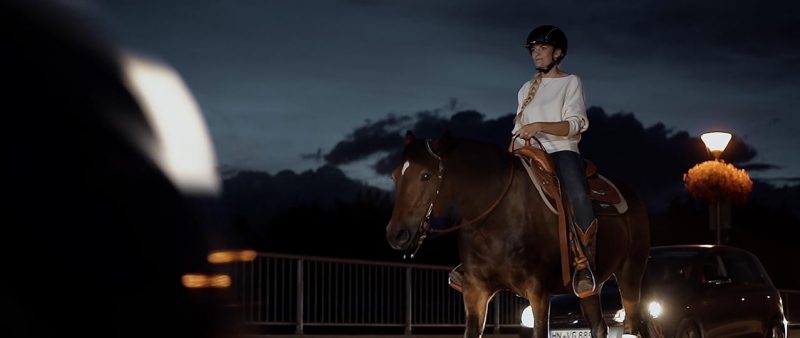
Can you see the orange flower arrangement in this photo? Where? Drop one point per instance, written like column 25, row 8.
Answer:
column 717, row 180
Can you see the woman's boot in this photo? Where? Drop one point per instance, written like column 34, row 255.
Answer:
column 584, row 283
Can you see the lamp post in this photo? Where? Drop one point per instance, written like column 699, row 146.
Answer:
column 716, row 142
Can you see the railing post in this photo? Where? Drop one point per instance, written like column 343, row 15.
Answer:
column 408, row 301
column 785, row 301
column 496, row 314
column 299, row 328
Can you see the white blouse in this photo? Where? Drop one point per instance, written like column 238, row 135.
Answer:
column 557, row 99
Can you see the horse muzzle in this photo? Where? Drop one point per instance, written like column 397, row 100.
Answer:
column 399, row 238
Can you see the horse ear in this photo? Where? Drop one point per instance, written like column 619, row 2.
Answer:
column 446, row 136
column 443, row 144
column 409, row 137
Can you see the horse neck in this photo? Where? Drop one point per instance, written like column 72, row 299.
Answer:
column 479, row 175
column 521, row 207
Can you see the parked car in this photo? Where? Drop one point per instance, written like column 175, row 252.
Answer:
column 689, row 291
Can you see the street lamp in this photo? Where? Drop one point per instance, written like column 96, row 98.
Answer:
column 718, row 182
column 715, row 143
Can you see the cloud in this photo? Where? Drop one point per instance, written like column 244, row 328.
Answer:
column 374, row 136
column 759, row 166
column 382, row 135
column 259, row 196
column 261, row 83
column 790, row 180
column 651, row 159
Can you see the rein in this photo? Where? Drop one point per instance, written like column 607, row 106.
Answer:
column 425, row 225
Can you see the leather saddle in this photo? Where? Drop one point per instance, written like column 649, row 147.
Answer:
column 601, row 191
column 606, row 198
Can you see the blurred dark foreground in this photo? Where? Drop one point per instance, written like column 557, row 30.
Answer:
column 101, row 218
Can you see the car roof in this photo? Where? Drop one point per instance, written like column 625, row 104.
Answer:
column 692, row 249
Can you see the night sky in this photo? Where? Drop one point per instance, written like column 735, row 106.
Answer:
column 277, row 79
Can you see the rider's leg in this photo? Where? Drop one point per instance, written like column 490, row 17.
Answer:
column 571, row 173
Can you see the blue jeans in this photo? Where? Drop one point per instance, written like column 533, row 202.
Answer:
column 571, row 172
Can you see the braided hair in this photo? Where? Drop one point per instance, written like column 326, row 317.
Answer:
column 535, row 82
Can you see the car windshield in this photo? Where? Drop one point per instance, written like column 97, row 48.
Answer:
column 669, row 269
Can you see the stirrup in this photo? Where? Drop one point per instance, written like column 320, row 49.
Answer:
column 455, row 278
column 575, row 282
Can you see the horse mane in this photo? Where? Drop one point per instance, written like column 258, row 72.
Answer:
column 446, row 145
column 471, row 160
column 474, row 157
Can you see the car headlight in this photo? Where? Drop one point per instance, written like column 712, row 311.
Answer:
column 527, row 317
column 619, row 317
column 655, row 309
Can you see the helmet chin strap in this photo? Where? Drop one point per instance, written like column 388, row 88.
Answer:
column 549, row 67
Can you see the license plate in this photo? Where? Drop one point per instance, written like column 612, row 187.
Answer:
column 577, row 333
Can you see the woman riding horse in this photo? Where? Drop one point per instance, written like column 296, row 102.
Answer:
column 509, row 238
column 551, row 107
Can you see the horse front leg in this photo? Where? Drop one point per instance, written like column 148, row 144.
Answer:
column 476, row 300
column 540, row 304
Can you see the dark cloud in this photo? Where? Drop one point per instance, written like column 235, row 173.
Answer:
column 259, row 196
column 381, row 136
column 790, row 180
column 695, row 65
column 652, row 159
column 759, row 166
column 373, row 137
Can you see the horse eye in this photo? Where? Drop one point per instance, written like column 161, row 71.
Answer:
column 426, row 176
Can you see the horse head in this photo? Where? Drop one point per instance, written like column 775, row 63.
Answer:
column 419, row 189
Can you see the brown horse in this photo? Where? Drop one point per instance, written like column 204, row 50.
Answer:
column 510, row 240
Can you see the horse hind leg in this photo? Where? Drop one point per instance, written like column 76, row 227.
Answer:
column 593, row 312
column 476, row 300
column 630, row 282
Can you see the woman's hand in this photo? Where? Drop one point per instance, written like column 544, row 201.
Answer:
column 529, row 130
column 553, row 128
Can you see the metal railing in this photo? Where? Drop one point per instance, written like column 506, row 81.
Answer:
column 791, row 307
column 279, row 290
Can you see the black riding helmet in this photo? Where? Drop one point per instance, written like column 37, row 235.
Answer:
column 550, row 35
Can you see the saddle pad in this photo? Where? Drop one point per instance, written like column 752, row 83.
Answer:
column 605, row 194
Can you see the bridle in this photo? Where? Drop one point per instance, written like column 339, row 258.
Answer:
column 425, row 225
